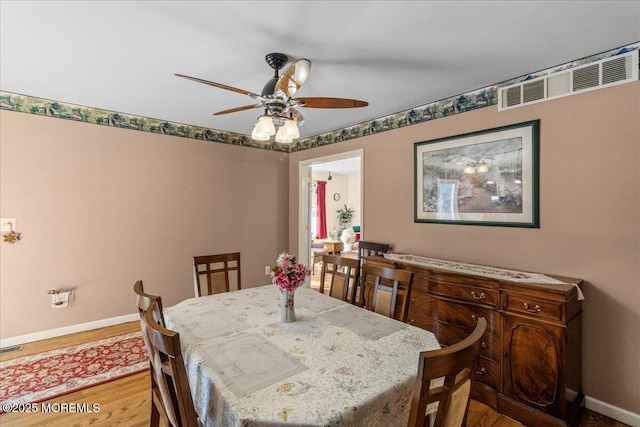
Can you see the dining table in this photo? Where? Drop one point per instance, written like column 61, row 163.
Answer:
column 336, row 364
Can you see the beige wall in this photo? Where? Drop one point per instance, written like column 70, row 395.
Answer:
column 101, row 207
column 589, row 210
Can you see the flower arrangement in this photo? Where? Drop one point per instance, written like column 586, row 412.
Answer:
column 287, row 274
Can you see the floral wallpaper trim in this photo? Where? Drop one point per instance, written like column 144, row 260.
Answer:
column 468, row 101
column 63, row 110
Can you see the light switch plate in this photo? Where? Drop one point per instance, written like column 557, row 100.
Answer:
column 7, row 224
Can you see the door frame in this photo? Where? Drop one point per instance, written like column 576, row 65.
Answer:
column 304, row 196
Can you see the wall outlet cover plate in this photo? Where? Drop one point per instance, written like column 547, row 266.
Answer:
column 7, row 224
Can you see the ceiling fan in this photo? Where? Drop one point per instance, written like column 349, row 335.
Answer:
column 280, row 107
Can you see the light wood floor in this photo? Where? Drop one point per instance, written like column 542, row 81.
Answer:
column 125, row 402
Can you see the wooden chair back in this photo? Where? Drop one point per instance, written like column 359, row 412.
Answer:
column 170, row 371
column 144, row 301
column 341, row 274
column 317, row 251
column 365, row 249
column 386, row 285
column 216, row 269
column 457, row 365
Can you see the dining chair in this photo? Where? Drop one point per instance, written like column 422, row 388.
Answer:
column 317, row 252
column 216, row 269
column 144, row 301
column 365, row 249
column 170, row 371
column 457, row 364
column 341, row 273
column 387, row 285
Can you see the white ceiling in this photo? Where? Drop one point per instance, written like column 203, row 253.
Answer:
column 396, row 55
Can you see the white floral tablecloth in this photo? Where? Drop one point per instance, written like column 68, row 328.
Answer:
column 250, row 370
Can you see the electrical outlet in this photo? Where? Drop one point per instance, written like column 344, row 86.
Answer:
column 7, row 224
column 61, row 298
column 267, row 270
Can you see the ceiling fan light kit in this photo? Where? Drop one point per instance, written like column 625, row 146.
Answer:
column 263, row 129
column 277, row 100
column 288, row 132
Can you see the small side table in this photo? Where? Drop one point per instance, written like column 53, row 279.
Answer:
column 334, row 247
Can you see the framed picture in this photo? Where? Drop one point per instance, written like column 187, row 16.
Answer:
column 488, row 177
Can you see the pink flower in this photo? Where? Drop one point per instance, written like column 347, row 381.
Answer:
column 287, row 274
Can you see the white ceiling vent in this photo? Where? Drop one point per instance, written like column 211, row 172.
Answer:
column 595, row 75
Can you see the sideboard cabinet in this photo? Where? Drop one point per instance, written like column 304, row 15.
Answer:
column 530, row 364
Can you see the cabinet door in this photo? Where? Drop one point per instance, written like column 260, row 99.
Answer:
column 533, row 364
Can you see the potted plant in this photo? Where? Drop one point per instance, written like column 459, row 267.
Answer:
column 345, row 215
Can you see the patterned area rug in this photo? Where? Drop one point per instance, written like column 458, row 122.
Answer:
column 54, row 373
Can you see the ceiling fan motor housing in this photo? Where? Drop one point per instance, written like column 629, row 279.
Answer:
column 275, row 107
column 269, row 87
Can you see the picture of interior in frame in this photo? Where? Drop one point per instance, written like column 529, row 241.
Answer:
column 488, row 177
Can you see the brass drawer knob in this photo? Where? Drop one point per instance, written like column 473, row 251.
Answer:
column 476, row 296
column 481, row 371
column 474, row 317
column 535, row 309
column 483, row 345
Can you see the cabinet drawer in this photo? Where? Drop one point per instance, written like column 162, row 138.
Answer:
column 448, row 334
column 421, row 302
column 490, row 347
column 485, row 394
column 473, row 294
column 466, row 315
column 488, row 372
column 532, row 306
column 460, row 314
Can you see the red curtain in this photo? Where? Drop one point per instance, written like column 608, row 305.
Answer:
column 321, row 211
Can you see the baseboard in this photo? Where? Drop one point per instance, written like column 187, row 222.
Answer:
column 608, row 410
column 52, row 333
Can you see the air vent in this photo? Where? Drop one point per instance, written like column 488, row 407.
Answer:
column 595, row 75
column 533, row 91
column 513, row 96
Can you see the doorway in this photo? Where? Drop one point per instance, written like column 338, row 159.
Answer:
column 343, row 184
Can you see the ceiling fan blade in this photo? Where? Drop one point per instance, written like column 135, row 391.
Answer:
column 233, row 110
column 220, row 85
column 320, row 102
column 294, row 77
